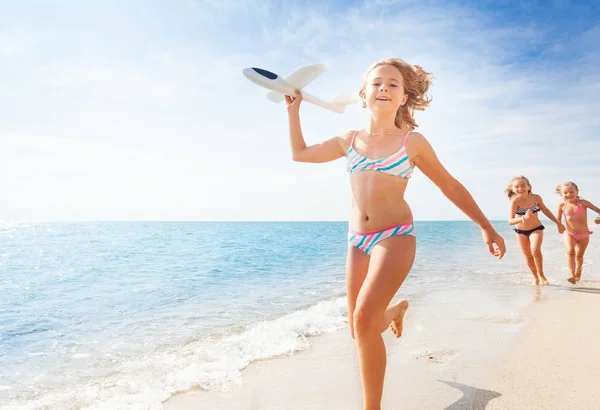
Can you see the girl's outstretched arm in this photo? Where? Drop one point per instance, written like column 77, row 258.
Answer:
column 425, row 158
column 590, row 205
column 326, row 151
column 559, row 212
column 513, row 218
column 549, row 214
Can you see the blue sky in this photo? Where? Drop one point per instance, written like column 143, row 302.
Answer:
column 138, row 110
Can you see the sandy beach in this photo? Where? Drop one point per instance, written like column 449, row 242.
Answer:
column 550, row 364
column 542, row 356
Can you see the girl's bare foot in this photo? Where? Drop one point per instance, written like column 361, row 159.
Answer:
column 543, row 280
column 536, row 282
column 396, row 324
column 572, row 279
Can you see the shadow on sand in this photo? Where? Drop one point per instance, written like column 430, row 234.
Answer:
column 585, row 290
column 578, row 288
column 472, row 398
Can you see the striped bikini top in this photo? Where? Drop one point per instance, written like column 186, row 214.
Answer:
column 534, row 208
column 396, row 164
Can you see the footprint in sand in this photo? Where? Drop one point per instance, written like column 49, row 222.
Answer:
column 437, row 356
column 498, row 319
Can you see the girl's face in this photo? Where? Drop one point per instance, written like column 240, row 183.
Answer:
column 521, row 187
column 569, row 193
column 384, row 91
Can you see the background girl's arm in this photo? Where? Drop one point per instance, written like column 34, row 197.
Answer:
column 326, row 151
column 547, row 212
column 513, row 218
column 588, row 204
column 559, row 212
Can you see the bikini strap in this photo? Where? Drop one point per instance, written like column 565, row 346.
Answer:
column 353, row 138
column 405, row 138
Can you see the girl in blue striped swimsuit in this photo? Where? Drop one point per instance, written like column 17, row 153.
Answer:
column 380, row 160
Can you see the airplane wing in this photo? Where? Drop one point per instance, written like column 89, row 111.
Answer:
column 299, row 79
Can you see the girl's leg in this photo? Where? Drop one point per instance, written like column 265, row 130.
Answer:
column 535, row 240
column 580, row 248
column 570, row 247
column 357, row 265
column 390, row 263
column 526, row 249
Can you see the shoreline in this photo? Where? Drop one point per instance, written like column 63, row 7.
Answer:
column 444, row 341
column 478, row 362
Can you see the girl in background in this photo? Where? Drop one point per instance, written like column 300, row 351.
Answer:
column 577, row 235
column 523, row 212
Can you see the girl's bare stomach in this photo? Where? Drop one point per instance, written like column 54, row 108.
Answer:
column 378, row 203
column 577, row 228
column 531, row 223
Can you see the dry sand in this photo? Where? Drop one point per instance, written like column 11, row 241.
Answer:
column 555, row 362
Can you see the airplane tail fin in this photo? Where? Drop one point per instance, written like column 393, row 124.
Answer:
column 343, row 99
column 275, row 96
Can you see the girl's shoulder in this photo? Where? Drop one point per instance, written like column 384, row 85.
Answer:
column 345, row 138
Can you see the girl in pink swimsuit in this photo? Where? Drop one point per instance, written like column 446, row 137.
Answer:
column 381, row 236
column 577, row 235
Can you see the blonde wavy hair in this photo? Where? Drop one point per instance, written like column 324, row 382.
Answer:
column 416, row 85
column 509, row 191
column 571, row 184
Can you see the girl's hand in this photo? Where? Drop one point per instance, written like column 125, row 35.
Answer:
column 561, row 228
column 528, row 214
column 293, row 103
column 597, row 220
column 491, row 238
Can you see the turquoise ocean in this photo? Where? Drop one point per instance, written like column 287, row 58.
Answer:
column 108, row 315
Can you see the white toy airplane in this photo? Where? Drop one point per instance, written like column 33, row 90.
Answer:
column 297, row 80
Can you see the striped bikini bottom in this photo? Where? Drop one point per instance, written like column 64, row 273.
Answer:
column 366, row 241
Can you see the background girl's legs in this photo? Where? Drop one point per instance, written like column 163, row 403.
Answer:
column 570, row 247
column 526, row 249
column 580, row 248
column 390, row 263
column 535, row 240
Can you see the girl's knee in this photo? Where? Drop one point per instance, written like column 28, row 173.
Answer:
column 571, row 253
column 364, row 322
column 536, row 252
